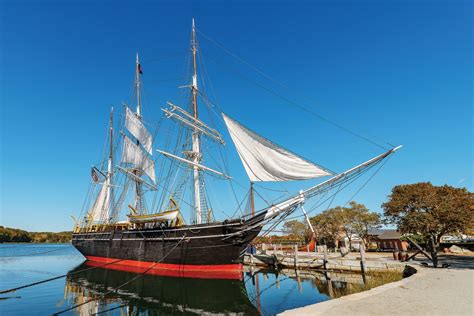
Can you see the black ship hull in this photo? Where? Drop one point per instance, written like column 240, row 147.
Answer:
column 208, row 250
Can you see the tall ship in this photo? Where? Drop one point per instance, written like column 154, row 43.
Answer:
column 149, row 204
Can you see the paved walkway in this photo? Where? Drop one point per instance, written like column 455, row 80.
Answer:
column 429, row 292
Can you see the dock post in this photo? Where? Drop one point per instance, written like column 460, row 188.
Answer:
column 296, row 256
column 362, row 257
column 298, row 279
column 325, row 260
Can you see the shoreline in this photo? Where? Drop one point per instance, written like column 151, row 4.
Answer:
column 428, row 292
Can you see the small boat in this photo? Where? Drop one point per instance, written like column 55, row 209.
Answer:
column 170, row 217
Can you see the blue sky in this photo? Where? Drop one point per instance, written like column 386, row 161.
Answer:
column 398, row 72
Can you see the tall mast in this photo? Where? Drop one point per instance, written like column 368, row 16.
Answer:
column 138, row 71
column 252, row 202
column 195, row 137
column 138, row 187
column 110, row 164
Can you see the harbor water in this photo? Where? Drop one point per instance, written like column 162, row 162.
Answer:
column 106, row 291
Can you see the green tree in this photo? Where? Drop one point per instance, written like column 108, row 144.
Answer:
column 328, row 225
column 17, row 235
column 430, row 211
column 295, row 228
column 13, row 235
column 358, row 220
column 353, row 220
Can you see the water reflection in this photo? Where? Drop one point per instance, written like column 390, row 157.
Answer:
column 155, row 294
column 258, row 292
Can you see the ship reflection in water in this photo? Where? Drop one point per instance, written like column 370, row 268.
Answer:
column 256, row 293
column 155, row 294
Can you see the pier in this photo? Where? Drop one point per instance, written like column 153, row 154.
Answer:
column 282, row 257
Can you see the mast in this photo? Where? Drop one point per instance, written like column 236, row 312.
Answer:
column 252, row 203
column 189, row 118
column 138, row 186
column 110, row 189
column 196, row 152
column 138, row 71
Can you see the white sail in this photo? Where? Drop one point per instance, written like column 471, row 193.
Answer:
column 137, row 129
column 265, row 161
column 100, row 209
column 133, row 154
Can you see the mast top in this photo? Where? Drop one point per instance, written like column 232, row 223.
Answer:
column 193, row 36
column 138, row 71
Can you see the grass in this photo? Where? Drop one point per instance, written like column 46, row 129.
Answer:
column 373, row 279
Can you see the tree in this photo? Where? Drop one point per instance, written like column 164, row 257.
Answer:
column 328, row 225
column 18, row 235
column 295, row 228
column 430, row 211
column 358, row 220
column 353, row 220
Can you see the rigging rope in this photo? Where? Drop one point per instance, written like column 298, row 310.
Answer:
column 125, row 283
column 111, row 309
column 288, row 100
column 55, row 278
column 35, row 253
column 241, row 60
column 346, row 183
column 367, row 181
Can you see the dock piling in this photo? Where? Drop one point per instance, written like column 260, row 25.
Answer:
column 296, row 256
column 362, row 257
column 325, row 253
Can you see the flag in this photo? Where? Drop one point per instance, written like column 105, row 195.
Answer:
column 94, row 175
column 140, row 69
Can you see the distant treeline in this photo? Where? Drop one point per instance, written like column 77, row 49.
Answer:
column 18, row 235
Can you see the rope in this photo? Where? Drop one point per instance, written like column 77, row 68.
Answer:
column 274, row 190
column 110, row 309
column 123, row 284
column 241, row 60
column 55, row 278
column 35, row 253
column 301, row 107
column 347, row 181
column 16, row 245
column 367, row 181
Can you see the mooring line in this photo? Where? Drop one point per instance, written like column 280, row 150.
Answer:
column 55, row 278
column 110, row 309
column 40, row 253
column 35, row 253
column 123, row 284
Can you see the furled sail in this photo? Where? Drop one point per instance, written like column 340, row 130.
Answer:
column 138, row 130
column 100, row 209
column 133, row 154
column 265, row 161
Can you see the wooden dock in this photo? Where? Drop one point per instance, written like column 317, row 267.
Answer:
column 276, row 257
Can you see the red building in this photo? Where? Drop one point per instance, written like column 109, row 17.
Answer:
column 387, row 239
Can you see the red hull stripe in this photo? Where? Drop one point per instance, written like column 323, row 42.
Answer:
column 223, row 271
